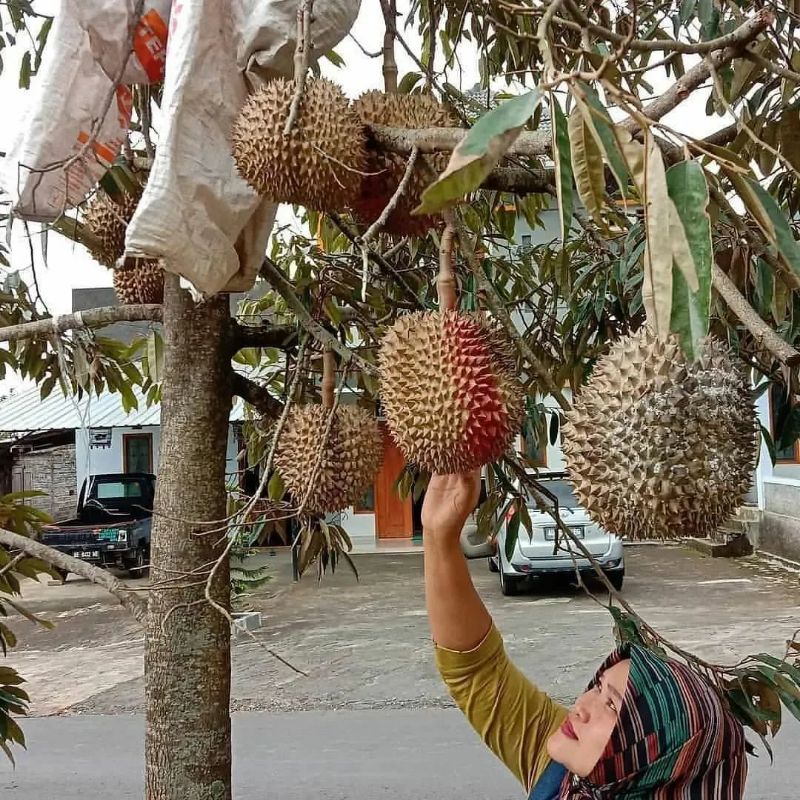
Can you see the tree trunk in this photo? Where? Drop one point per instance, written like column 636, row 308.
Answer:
column 187, row 645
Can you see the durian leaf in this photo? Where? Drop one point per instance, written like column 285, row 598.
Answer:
column 478, row 153
column 604, row 132
column 691, row 300
column 275, row 487
column 155, row 357
column 767, row 437
column 512, row 533
column 562, row 160
column 657, row 284
column 587, row 164
column 788, row 248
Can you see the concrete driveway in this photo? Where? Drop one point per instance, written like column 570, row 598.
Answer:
column 365, row 644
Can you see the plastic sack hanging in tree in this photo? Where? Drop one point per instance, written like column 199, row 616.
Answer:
column 197, row 213
column 60, row 150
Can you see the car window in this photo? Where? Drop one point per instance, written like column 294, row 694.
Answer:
column 563, row 491
column 117, row 490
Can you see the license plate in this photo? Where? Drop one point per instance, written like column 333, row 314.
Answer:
column 88, row 554
column 576, row 530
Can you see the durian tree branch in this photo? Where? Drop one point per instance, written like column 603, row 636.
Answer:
column 762, row 332
column 263, row 335
column 495, row 304
column 302, row 55
column 280, row 283
column 258, row 396
column 94, row 318
column 737, row 40
column 376, row 258
column 437, row 140
column 389, row 10
column 127, row 597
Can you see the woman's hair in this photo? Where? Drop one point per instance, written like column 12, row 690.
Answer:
column 675, row 739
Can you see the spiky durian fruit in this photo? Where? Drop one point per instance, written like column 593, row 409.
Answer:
column 385, row 170
column 107, row 219
column 140, row 282
column 658, row 447
column 319, row 163
column 350, row 456
column 451, row 402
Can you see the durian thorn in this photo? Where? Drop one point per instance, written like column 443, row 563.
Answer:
column 328, row 378
column 445, row 281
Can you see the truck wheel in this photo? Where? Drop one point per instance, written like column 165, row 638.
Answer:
column 139, row 568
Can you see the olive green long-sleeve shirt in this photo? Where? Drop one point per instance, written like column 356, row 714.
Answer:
column 512, row 716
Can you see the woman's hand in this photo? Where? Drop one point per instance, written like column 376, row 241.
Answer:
column 449, row 500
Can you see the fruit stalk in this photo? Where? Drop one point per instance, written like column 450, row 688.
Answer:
column 446, row 282
column 328, row 378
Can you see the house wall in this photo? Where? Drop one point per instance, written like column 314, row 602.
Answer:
column 97, row 460
column 50, row 470
column 778, row 499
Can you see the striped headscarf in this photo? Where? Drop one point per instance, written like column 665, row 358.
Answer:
column 674, row 740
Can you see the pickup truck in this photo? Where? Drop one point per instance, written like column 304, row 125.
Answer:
column 112, row 528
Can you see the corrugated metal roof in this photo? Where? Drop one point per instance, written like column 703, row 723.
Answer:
column 27, row 412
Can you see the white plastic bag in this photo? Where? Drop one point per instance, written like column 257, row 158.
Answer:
column 109, row 24
column 77, row 121
column 196, row 213
column 60, row 151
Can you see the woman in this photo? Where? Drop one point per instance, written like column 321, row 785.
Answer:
column 645, row 728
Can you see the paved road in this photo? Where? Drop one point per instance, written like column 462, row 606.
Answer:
column 422, row 754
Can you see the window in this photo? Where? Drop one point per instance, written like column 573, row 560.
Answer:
column 138, row 452
column 116, row 490
column 526, row 240
column 366, row 504
column 784, row 413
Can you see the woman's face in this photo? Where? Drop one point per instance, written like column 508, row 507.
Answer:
column 580, row 742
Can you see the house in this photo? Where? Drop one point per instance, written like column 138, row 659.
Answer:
column 53, row 444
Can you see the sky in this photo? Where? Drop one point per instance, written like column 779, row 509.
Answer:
column 69, row 266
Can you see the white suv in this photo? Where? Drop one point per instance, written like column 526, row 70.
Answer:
column 534, row 556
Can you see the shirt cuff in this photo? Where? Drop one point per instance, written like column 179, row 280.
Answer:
column 457, row 660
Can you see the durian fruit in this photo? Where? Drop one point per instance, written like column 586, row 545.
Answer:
column 107, row 220
column 350, row 457
column 451, row 401
column 658, row 447
column 385, row 170
column 319, row 164
column 140, row 282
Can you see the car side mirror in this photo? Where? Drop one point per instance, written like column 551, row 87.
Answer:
column 474, row 544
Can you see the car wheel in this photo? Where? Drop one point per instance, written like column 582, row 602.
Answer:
column 616, row 579
column 492, row 565
column 509, row 585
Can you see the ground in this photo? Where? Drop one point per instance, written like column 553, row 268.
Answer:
column 365, row 649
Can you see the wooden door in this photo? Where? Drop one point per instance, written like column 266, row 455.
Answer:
column 393, row 518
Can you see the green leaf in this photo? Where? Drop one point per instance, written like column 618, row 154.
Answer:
column 587, row 164
column 687, row 10
column 334, row 58
column 512, row 534
column 604, row 131
column 479, row 152
column 691, row 299
column 25, row 71
column 155, row 357
column 563, row 167
column 275, row 487
column 657, row 284
column 788, row 248
column 408, row 82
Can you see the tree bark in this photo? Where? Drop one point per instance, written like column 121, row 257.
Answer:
column 187, row 642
